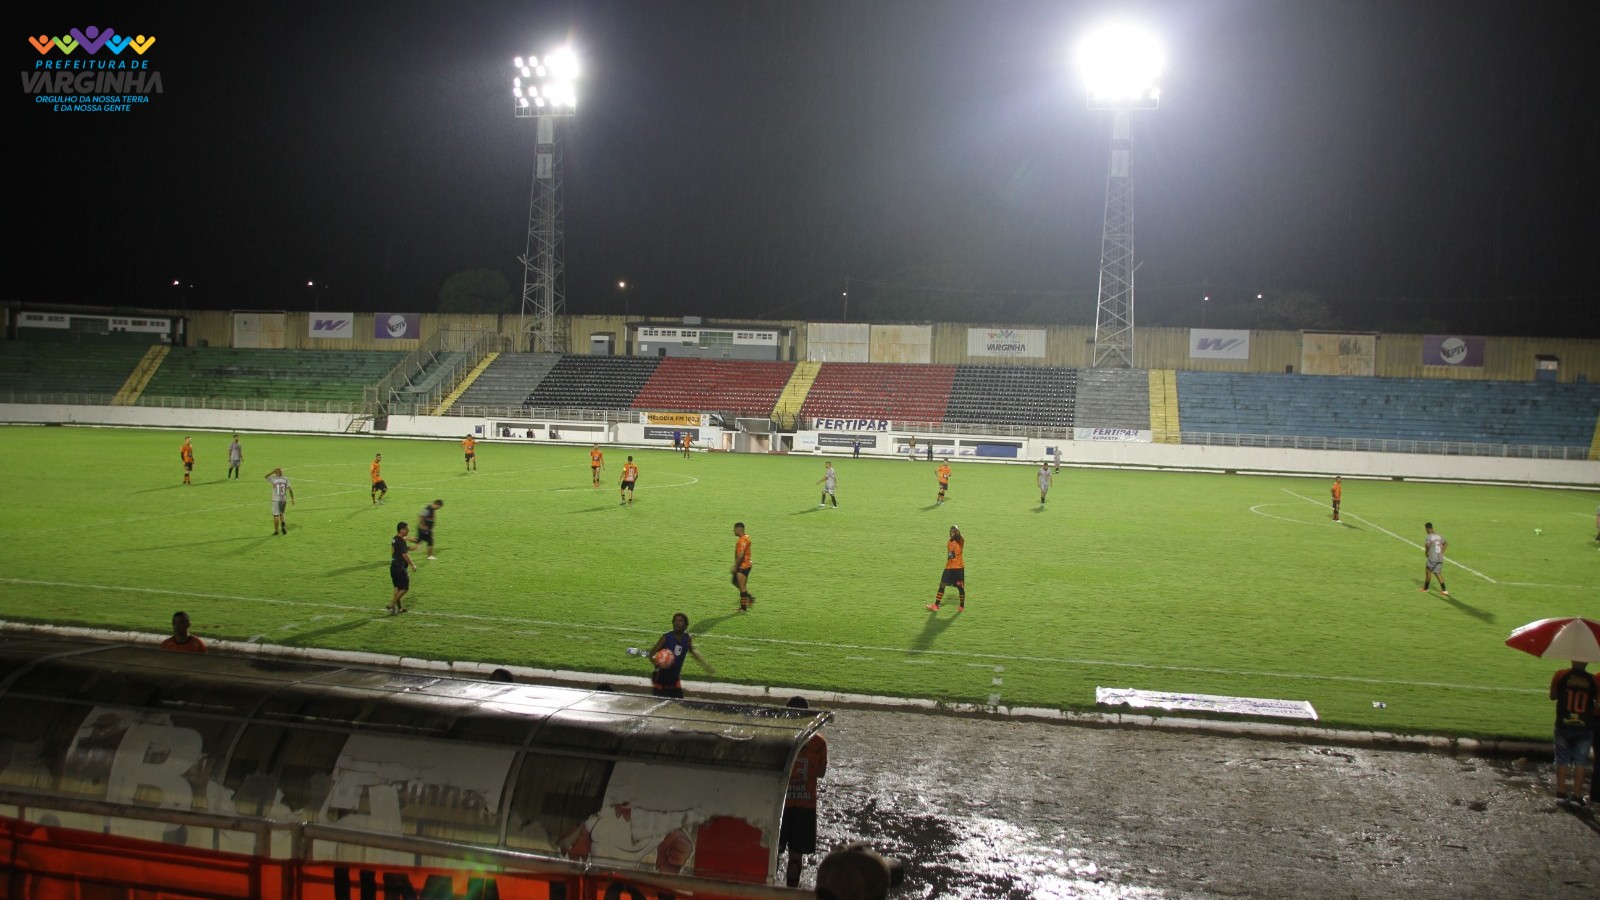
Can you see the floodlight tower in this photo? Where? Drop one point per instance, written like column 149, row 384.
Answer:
column 1121, row 67
column 543, row 90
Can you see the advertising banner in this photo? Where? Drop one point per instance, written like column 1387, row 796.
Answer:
column 665, row 434
column 1452, row 350
column 868, row 441
column 1218, row 343
column 672, row 418
column 1110, row 434
column 331, row 325
column 851, row 424
column 396, row 326
column 1009, row 342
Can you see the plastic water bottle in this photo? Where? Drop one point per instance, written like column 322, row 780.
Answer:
column 633, row 651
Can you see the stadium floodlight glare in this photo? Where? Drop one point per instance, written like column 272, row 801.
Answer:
column 547, row 86
column 1121, row 67
column 544, row 89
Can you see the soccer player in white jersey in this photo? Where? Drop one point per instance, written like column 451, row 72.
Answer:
column 829, row 481
column 280, row 491
column 1045, row 480
column 1433, row 548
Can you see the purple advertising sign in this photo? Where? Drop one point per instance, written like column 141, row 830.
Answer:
column 1452, row 350
column 395, row 326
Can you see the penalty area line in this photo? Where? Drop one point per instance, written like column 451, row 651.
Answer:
column 1397, row 537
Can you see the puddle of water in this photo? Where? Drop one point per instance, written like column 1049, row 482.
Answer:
column 976, row 857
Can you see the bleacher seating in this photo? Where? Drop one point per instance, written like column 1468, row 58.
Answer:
column 249, row 373
column 1418, row 409
column 1037, row 396
column 592, row 382
column 508, row 381
column 903, row 392
column 745, row 387
column 1114, row 398
column 59, row 367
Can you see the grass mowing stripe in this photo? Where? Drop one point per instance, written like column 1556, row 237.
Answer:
column 777, row 642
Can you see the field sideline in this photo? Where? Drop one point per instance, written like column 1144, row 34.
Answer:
column 1236, row 585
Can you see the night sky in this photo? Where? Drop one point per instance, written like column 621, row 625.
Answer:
column 1410, row 163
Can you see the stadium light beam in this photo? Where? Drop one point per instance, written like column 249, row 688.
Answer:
column 1121, row 67
column 544, row 89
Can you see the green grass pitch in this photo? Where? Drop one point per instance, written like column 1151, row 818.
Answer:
column 1235, row 585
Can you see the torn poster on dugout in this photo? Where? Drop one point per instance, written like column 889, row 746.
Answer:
column 1238, row 706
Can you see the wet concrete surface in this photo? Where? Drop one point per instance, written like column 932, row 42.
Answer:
column 983, row 808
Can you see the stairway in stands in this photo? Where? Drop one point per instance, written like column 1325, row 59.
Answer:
column 787, row 410
column 129, row 393
column 465, row 382
column 1165, row 427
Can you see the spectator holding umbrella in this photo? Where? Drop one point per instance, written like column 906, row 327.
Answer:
column 1574, row 691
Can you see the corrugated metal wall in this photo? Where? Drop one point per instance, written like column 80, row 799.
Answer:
column 1397, row 355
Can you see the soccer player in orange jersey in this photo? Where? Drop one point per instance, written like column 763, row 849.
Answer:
column 186, row 453
column 379, row 487
column 182, row 641
column 630, row 474
column 470, row 445
column 798, row 833
column 741, row 567
column 597, row 461
column 955, row 571
column 1337, row 491
column 944, row 482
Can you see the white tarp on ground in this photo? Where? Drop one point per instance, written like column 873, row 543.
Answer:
column 1211, row 703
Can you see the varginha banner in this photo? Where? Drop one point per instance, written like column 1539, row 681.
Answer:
column 1218, row 343
column 1452, row 350
column 395, row 326
column 1008, row 342
column 331, row 325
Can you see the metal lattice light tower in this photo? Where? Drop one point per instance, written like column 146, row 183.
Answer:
column 1121, row 67
column 544, row 91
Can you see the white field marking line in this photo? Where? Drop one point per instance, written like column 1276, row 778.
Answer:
column 1395, row 536
column 569, row 628
column 1257, row 510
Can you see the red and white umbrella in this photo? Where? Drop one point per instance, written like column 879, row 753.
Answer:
column 1573, row 638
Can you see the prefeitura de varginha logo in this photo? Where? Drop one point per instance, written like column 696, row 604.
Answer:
column 91, row 70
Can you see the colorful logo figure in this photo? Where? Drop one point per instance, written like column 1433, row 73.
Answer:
column 91, row 40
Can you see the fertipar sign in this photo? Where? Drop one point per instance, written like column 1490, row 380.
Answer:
column 92, row 69
column 1007, row 342
column 851, row 424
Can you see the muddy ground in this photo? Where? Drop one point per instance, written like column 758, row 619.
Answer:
column 985, row 808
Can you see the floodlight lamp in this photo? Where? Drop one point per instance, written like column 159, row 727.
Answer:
column 516, row 92
column 563, row 64
column 516, row 63
column 523, row 102
column 533, row 61
column 527, row 72
column 1121, row 65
